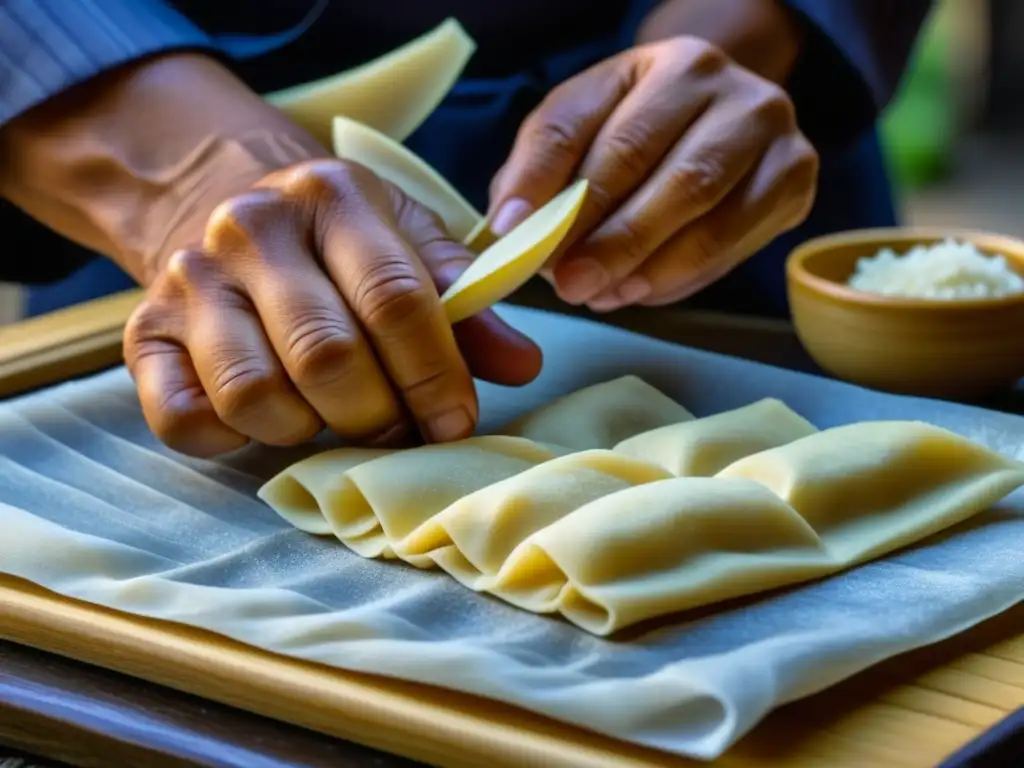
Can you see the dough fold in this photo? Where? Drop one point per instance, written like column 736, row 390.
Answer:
column 472, row 538
column 703, row 447
column 873, row 487
column 613, row 505
column 600, row 416
column 370, row 498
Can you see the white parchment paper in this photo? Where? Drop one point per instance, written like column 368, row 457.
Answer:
column 93, row 507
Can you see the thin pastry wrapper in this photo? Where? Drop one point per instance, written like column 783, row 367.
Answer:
column 472, row 538
column 873, row 487
column 600, row 416
column 798, row 512
column 374, row 498
column 648, row 521
column 704, row 447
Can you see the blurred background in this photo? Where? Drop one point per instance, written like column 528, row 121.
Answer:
column 954, row 136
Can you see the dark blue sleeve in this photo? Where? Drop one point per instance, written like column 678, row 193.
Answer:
column 854, row 57
column 47, row 46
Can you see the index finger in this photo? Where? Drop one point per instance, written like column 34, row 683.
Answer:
column 553, row 141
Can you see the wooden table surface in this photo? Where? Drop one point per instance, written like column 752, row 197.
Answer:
column 910, row 711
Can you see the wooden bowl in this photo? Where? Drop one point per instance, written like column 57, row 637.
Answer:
column 962, row 349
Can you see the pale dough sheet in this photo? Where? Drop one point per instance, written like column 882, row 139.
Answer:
column 92, row 507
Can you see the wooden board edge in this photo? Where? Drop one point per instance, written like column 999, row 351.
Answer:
column 64, row 344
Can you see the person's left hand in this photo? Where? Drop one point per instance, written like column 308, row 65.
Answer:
column 694, row 162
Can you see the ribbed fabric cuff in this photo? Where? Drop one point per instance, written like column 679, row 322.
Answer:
column 47, row 46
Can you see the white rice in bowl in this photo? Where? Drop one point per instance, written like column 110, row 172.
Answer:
column 946, row 270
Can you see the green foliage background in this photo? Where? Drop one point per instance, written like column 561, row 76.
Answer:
column 918, row 129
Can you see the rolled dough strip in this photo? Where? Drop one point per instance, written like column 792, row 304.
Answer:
column 394, row 93
column 393, row 162
column 515, row 258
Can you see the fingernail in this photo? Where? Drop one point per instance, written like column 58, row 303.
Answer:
column 453, row 425
column 634, row 289
column 580, row 279
column 511, row 214
column 606, row 303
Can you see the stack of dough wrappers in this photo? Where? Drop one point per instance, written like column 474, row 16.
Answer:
column 614, row 504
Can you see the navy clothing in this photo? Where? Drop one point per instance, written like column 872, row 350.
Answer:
column 849, row 69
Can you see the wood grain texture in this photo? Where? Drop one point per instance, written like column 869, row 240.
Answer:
column 911, row 711
column 62, row 345
column 89, row 716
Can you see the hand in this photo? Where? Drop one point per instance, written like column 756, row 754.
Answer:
column 694, row 165
column 313, row 301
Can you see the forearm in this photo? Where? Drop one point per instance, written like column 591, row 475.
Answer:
column 762, row 35
column 132, row 162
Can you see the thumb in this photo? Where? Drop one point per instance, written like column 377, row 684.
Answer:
column 552, row 143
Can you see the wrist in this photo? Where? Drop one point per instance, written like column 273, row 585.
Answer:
column 764, row 36
column 132, row 163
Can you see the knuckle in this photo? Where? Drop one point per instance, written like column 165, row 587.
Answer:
column 697, row 183
column 177, row 417
column 696, row 56
column 145, row 322
column 321, row 179
column 628, row 148
column 240, row 387
column 391, row 296
column 239, row 223
column 320, row 349
column 435, row 383
column 552, row 138
column 630, row 246
column 704, row 250
column 148, row 323
column 186, row 268
column 773, row 107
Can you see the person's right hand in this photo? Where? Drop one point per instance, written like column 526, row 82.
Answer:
column 313, row 301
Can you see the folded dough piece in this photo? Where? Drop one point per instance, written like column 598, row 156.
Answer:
column 873, row 487
column 403, row 168
column 301, row 492
column 804, row 510
column 394, row 93
column 660, row 548
column 600, row 416
column 704, row 447
column 370, row 501
column 515, row 258
column 471, row 538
